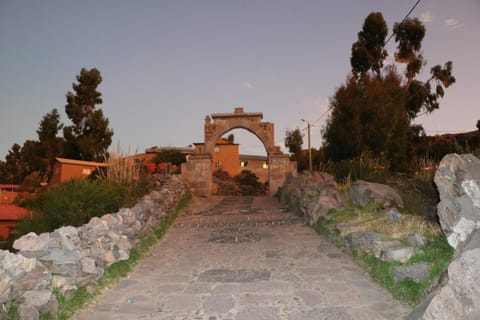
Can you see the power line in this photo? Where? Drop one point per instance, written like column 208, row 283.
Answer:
column 406, row 17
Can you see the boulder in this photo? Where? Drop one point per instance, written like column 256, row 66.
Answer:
column 458, row 183
column 363, row 192
column 311, row 194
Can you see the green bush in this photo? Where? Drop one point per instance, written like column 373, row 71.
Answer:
column 75, row 203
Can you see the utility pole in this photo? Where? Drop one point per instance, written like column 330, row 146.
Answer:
column 309, row 146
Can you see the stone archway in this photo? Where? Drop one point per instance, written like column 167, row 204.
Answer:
column 197, row 171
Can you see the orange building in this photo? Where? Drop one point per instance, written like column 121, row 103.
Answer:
column 224, row 156
column 9, row 214
column 67, row 169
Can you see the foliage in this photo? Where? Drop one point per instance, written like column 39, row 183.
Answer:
column 170, row 156
column 373, row 111
column 74, row 203
column 436, row 251
column 245, row 183
column 294, row 141
column 89, row 137
column 368, row 51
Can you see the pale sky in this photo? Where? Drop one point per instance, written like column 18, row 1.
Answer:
column 167, row 64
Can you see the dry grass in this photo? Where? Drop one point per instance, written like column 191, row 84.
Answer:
column 122, row 168
column 378, row 222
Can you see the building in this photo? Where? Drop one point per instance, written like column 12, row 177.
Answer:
column 8, row 193
column 225, row 156
column 256, row 164
column 9, row 215
column 68, row 169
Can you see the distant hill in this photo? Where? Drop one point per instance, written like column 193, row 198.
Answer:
column 465, row 142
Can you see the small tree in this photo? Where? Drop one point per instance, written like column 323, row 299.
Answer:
column 171, row 156
column 294, row 142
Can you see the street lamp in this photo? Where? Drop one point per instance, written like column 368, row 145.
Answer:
column 309, row 148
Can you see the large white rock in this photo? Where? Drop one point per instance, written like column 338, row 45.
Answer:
column 458, row 181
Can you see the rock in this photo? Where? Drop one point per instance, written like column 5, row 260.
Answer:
column 394, row 215
column 400, row 254
column 459, row 296
column 69, row 238
column 29, row 242
column 311, row 194
column 363, row 192
column 16, row 264
column 370, row 242
column 43, row 300
column 458, row 183
column 38, row 278
column 88, row 265
column 27, row 312
column 416, row 240
column 418, row 272
column 62, row 262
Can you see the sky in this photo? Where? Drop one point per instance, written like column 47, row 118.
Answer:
column 167, row 64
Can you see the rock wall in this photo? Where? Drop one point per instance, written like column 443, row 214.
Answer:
column 72, row 257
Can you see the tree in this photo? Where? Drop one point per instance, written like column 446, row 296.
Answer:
column 294, row 142
column 368, row 51
column 171, row 156
column 372, row 112
column 89, row 137
column 13, row 168
column 51, row 145
column 478, row 125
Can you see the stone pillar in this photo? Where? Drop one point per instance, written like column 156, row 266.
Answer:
column 279, row 167
column 197, row 173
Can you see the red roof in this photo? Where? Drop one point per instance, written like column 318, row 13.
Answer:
column 11, row 212
column 9, row 186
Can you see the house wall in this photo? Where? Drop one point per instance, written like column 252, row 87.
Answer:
column 5, row 226
column 225, row 157
column 7, row 197
column 256, row 166
column 64, row 172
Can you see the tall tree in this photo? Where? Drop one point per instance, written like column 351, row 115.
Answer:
column 89, row 137
column 368, row 51
column 373, row 111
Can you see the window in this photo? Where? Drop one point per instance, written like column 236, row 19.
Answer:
column 86, row 171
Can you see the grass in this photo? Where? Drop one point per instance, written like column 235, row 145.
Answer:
column 436, row 251
column 82, row 296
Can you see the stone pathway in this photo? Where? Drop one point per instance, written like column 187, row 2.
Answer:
column 244, row 258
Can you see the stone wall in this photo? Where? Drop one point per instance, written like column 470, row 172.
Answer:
column 72, row 257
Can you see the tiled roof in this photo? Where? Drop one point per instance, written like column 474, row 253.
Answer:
column 11, row 212
column 82, row 163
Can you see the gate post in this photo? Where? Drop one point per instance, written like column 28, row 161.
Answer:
column 197, row 172
column 279, row 167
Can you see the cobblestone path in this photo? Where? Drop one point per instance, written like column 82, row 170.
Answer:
column 244, row 258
